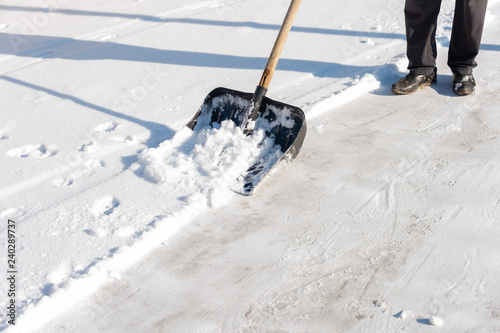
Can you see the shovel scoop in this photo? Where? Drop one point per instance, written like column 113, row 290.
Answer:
column 284, row 124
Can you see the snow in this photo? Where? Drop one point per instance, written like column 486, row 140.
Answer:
column 201, row 166
column 125, row 221
column 436, row 321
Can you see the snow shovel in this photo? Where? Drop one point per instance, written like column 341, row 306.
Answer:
column 284, row 124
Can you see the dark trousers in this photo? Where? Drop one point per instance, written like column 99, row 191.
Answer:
column 421, row 23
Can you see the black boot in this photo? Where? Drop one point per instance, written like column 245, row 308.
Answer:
column 464, row 85
column 411, row 83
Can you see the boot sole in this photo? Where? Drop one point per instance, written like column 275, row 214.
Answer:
column 398, row 92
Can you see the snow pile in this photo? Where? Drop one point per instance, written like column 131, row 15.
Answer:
column 200, row 166
column 358, row 87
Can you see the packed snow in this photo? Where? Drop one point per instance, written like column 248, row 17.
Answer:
column 116, row 217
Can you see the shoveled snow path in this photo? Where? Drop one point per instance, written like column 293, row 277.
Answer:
column 410, row 232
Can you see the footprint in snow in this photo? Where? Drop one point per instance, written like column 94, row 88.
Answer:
column 35, row 151
column 106, row 127
column 104, row 206
column 62, row 182
column 88, row 147
column 96, row 232
column 89, row 168
column 97, row 132
column 129, row 140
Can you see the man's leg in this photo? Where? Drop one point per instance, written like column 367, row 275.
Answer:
column 466, row 35
column 421, row 23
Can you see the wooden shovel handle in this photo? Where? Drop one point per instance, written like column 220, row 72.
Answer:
column 278, row 45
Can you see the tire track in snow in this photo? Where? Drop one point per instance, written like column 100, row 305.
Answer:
column 416, row 262
column 383, row 320
column 386, row 197
column 257, row 276
column 265, row 274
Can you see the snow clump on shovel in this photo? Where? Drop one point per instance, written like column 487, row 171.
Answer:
column 205, row 161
